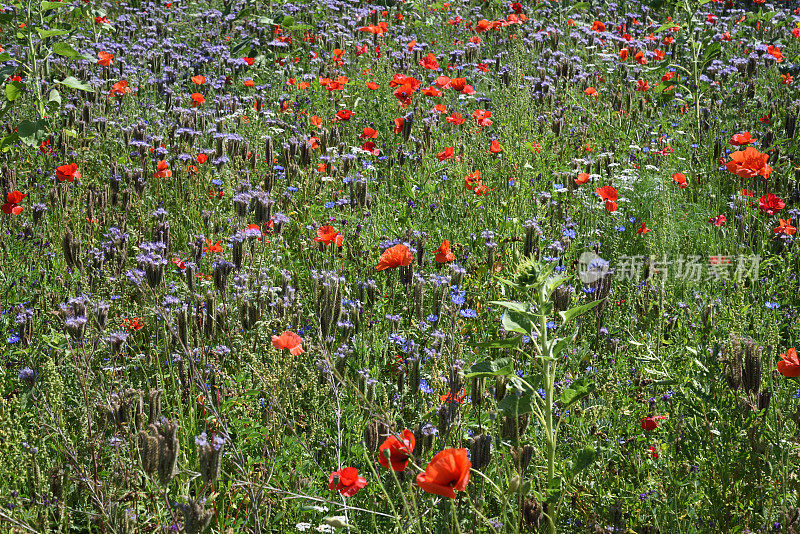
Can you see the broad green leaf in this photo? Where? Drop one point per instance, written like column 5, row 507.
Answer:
column 54, row 96
column 501, row 366
column 578, row 390
column 288, row 21
column 63, row 49
column 53, row 5
column 13, row 91
column 508, row 343
column 44, row 34
column 521, row 307
column 241, row 46
column 576, row 312
column 32, row 133
column 583, row 459
column 5, row 56
column 517, row 322
column 74, row 83
column 513, row 405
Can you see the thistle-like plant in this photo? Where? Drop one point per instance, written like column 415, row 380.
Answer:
column 537, row 282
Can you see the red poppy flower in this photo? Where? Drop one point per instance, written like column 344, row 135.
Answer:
column 429, row 62
column 458, row 84
column 431, row 91
column 749, row 163
column 443, row 254
column 249, row 60
column 68, row 173
column 591, row 91
column 134, row 324
column 202, row 158
column 442, row 82
column 397, row 256
column 718, row 221
column 582, row 178
column 216, row 247
column 769, row 203
column 199, row 79
column 179, row 263
column 251, row 83
column 372, row 86
column 447, row 153
column 742, row 139
column 105, row 59
column 163, row 171
column 344, row 115
column 495, row 148
column 785, row 227
column 623, row 54
column 680, row 179
column 482, row 116
column 642, row 85
column 598, row 26
column 609, row 195
column 451, row 397
column 328, row 234
column 369, row 133
column 398, row 124
column 399, row 451
column 651, row 422
column 120, row 88
column 456, row 118
column 346, row 481
column 289, row 340
column 789, row 366
column 12, row 207
column 197, row 100
column 101, row 20
column 446, row 473
column 643, row 230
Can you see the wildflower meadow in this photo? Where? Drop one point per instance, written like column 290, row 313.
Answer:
column 461, row 267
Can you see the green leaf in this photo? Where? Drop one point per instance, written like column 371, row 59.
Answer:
column 578, row 390
column 513, row 405
column 54, row 96
column 508, row 343
column 74, row 83
column 8, row 141
column 501, row 366
column 576, row 312
column 288, row 21
column 517, row 322
column 44, row 34
column 554, row 489
column 5, row 56
column 13, row 91
column 583, row 459
column 53, row 5
column 63, row 49
column 521, row 307
column 32, row 133
column 241, row 46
